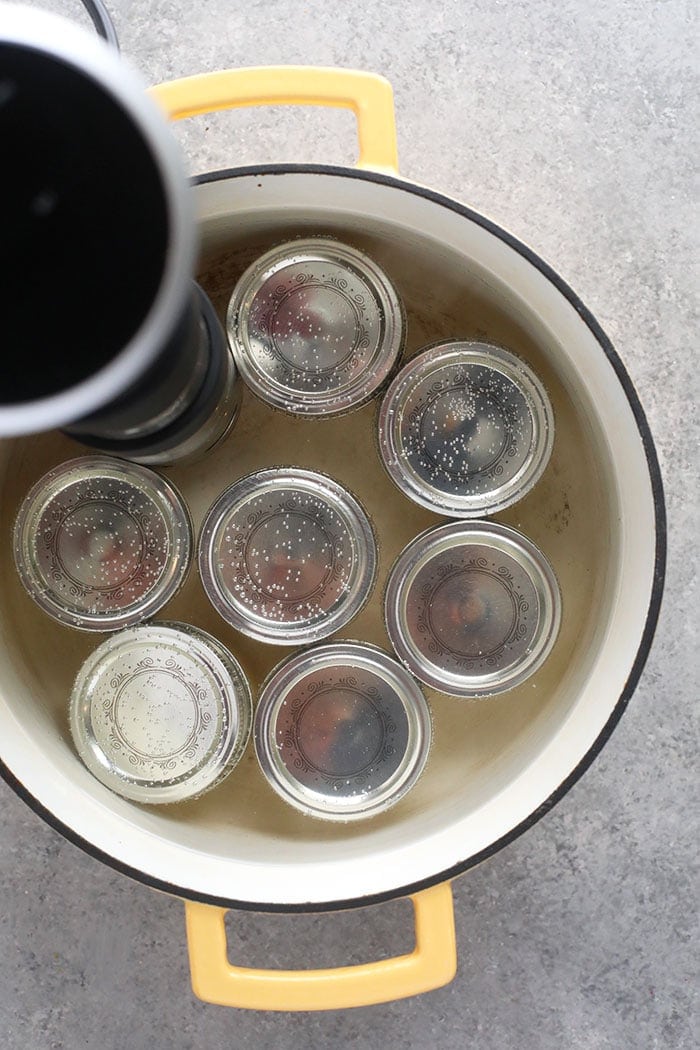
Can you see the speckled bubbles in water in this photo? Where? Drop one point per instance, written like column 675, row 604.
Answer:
column 101, row 544
column 315, row 327
column 287, row 556
column 465, row 429
column 342, row 731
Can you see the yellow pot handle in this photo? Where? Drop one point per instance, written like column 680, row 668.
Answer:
column 431, row 964
column 368, row 95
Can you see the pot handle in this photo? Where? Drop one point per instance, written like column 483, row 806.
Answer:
column 430, row 965
column 367, row 94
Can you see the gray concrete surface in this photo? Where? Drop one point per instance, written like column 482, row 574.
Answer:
column 574, row 125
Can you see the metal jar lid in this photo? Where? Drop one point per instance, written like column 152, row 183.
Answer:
column 160, row 712
column 315, row 326
column 287, row 556
column 466, row 429
column 472, row 608
column 101, row 544
column 342, row 731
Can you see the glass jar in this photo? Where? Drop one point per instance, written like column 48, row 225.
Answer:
column 101, row 544
column 465, row 429
column 287, row 556
column 315, row 326
column 160, row 712
column 342, row 731
column 472, row 608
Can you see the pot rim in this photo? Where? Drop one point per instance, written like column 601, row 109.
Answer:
column 645, row 641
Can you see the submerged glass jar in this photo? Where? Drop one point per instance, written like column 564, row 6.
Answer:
column 287, row 556
column 160, row 712
column 465, row 429
column 315, row 326
column 342, row 731
column 100, row 543
column 472, row 608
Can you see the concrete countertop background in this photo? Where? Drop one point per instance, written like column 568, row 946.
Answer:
column 574, row 125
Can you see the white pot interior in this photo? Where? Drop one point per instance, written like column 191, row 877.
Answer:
column 493, row 762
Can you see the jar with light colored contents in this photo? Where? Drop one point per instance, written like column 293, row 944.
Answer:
column 287, row 556
column 342, row 731
column 316, row 327
column 466, row 429
column 101, row 544
column 472, row 608
column 160, row 713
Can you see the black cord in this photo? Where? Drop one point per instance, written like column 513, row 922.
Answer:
column 102, row 21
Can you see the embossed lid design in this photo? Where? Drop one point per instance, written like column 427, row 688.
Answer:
column 101, row 544
column 465, row 429
column 472, row 608
column 315, row 327
column 160, row 712
column 342, row 731
column 287, row 556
